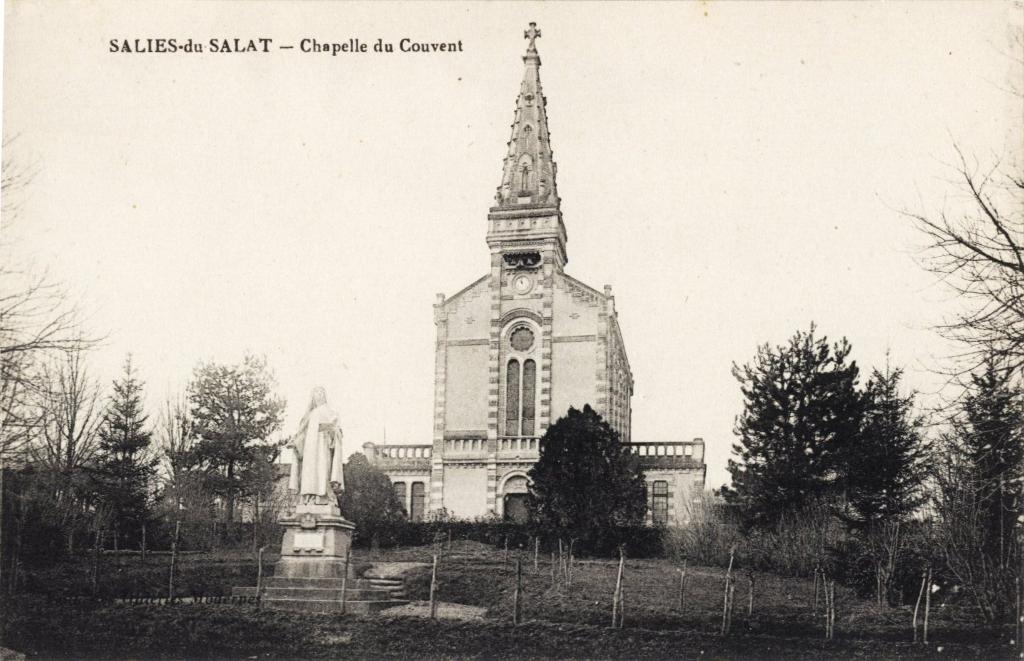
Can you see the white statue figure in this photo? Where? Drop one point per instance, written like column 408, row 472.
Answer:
column 316, row 472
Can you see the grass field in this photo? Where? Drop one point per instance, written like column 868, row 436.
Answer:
column 558, row 621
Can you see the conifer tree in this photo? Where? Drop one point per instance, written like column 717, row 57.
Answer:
column 369, row 499
column 980, row 479
column 585, row 480
column 885, row 473
column 801, row 419
column 125, row 468
column 991, row 439
column 234, row 410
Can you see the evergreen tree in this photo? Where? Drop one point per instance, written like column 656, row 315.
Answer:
column 801, row 419
column 885, row 473
column 585, row 480
column 234, row 410
column 369, row 499
column 991, row 439
column 980, row 477
column 125, row 467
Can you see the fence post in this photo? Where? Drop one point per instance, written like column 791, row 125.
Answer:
column 617, row 595
column 174, row 558
column 814, row 608
column 143, row 550
column 96, row 561
column 344, row 580
column 927, row 606
column 917, row 605
column 259, row 575
column 536, row 552
column 569, row 561
column 682, row 584
column 728, row 583
column 1020, row 615
column 750, row 601
column 506, row 550
column 830, row 588
column 517, row 598
column 433, row 590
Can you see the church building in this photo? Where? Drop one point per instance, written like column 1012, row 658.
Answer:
column 516, row 348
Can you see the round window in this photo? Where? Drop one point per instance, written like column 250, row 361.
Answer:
column 521, row 339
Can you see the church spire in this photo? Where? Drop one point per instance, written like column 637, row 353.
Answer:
column 528, row 175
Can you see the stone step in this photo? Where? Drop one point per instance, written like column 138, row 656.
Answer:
column 321, row 594
column 283, row 582
column 357, row 607
column 324, row 595
column 288, row 582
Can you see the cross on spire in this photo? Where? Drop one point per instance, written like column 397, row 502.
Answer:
column 532, row 33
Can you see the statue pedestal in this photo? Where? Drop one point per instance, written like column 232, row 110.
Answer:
column 311, row 574
column 316, row 540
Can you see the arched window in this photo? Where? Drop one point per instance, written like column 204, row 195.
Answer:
column 512, row 398
column 400, row 495
column 419, row 501
column 524, row 178
column 529, row 397
column 659, row 506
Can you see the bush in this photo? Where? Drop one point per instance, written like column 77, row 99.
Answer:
column 639, row 541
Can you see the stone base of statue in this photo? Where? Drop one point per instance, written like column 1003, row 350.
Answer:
column 315, row 572
column 315, row 543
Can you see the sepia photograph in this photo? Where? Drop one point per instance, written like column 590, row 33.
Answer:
column 512, row 330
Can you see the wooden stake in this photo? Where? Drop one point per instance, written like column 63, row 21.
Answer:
column 553, row 575
column 96, row 562
column 1020, row 615
column 814, row 609
column 824, row 587
column 516, row 605
column 732, row 602
column 536, row 552
column 927, row 606
column 344, row 579
column 433, row 590
column 728, row 584
column 506, row 550
column 750, row 600
column 617, row 595
column 143, row 549
column 174, row 558
column 832, row 609
column 924, row 578
column 682, row 584
column 259, row 578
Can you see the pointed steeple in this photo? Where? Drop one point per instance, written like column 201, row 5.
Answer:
column 528, row 175
column 525, row 224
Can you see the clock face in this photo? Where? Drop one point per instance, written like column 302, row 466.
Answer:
column 522, row 284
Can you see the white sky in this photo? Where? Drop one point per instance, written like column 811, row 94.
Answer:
column 733, row 170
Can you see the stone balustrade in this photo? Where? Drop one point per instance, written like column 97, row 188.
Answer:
column 520, row 446
column 398, row 456
column 465, row 447
column 674, row 454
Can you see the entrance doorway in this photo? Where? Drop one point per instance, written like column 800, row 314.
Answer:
column 515, row 507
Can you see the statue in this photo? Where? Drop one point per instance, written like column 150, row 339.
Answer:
column 316, row 472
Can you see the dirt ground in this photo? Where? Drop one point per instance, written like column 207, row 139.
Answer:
column 476, row 587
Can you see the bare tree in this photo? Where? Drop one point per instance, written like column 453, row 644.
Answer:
column 178, row 463
column 71, row 415
column 977, row 248
column 36, row 321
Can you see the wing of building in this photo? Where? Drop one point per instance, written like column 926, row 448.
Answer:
column 518, row 347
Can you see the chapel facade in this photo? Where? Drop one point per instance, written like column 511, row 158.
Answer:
column 519, row 346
